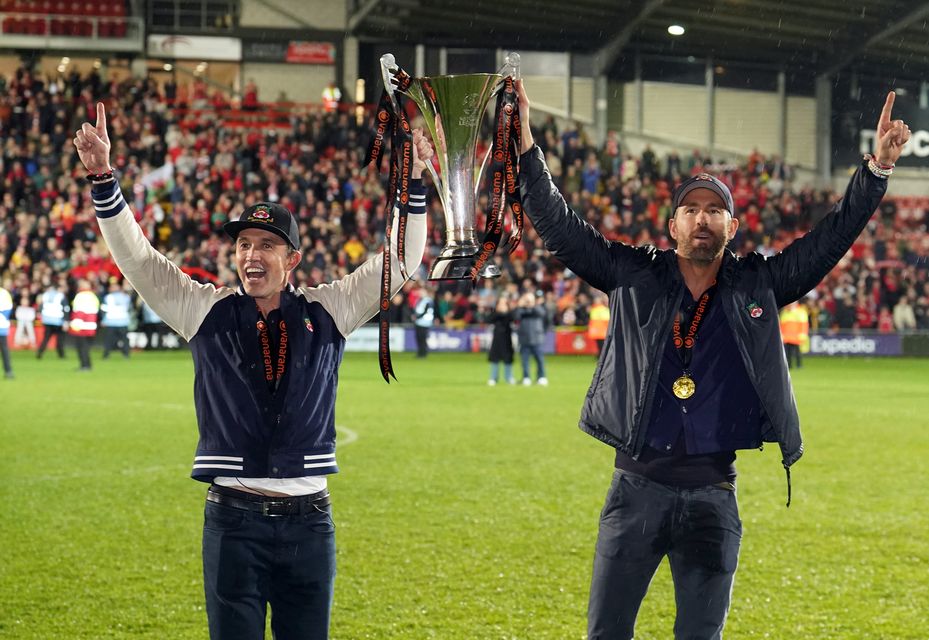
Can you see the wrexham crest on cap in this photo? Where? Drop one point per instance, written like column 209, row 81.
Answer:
column 260, row 214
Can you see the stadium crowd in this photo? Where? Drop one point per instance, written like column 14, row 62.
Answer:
column 188, row 161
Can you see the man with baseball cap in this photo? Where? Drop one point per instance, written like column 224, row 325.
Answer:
column 266, row 360
column 692, row 370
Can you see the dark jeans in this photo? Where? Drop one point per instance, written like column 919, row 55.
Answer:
column 251, row 560
column 535, row 351
column 641, row 523
column 50, row 331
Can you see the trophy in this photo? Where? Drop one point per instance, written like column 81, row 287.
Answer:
column 453, row 109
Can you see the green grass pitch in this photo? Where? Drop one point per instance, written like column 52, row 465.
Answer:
column 462, row 511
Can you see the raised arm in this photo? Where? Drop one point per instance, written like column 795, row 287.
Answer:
column 803, row 264
column 567, row 236
column 181, row 302
column 354, row 299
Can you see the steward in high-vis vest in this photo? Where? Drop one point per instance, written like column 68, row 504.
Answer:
column 83, row 323
column 795, row 331
column 53, row 308
column 599, row 322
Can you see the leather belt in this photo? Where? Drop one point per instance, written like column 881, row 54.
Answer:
column 268, row 505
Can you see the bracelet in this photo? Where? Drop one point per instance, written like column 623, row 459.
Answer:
column 100, row 178
column 878, row 169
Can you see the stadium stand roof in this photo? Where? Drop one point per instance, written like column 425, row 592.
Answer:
column 874, row 37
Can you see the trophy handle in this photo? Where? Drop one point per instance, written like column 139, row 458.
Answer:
column 388, row 66
column 510, row 66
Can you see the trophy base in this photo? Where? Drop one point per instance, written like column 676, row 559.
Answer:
column 459, row 268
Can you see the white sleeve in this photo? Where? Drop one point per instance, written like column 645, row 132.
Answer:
column 354, row 299
column 179, row 300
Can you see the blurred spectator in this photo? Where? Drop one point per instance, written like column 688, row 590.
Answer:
column 53, row 308
column 531, row 316
column 153, row 327
column 6, row 312
column 116, row 308
column 83, row 323
column 599, row 321
column 423, row 318
column 25, row 323
column 795, row 331
column 904, row 316
column 501, row 343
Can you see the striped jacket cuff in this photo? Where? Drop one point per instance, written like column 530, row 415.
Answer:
column 108, row 199
column 417, row 197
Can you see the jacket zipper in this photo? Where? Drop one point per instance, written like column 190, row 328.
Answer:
column 650, row 388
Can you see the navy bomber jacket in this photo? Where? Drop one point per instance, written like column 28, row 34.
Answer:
column 245, row 431
column 645, row 288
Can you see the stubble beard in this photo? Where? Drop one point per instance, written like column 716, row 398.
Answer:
column 704, row 254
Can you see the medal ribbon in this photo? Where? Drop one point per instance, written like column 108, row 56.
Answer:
column 685, row 344
column 395, row 125
column 274, row 371
column 502, row 170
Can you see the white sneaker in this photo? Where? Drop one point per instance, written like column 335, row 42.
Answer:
column 543, row 382
column 491, row 383
column 526, row 382
column 511, row 381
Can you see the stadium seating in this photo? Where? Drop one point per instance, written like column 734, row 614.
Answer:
column 75, row 18
column 310, row 160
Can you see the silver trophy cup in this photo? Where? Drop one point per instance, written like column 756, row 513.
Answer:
column 453, row 108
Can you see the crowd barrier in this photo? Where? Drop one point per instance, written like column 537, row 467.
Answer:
column 567, row 341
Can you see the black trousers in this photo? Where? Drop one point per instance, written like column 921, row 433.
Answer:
column 793, row 355
column 422, row 335
column 153, row 333
column 83, row 350
column 50, row 331
column 116, row 338
column 5, row 353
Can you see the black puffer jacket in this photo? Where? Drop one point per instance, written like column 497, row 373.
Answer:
column 645, row 286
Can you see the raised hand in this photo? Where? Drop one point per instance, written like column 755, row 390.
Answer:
column 891, row 134
column 93, row 144
column 527, row 141
column 422, row 154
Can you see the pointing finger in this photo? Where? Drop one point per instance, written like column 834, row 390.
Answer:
column 101, row 119
column 885, row 112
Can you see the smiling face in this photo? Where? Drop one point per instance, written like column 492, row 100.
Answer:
column 263, row 261
column 702, row 226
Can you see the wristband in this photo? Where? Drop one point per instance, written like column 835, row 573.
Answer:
column 100, row 178
column 878, row 169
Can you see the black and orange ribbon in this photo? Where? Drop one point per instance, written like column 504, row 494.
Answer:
column 504, row 180
column 391, row 122
column 274, row 371
column 685, row 344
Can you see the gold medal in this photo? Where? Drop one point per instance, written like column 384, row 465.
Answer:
column 684, row 387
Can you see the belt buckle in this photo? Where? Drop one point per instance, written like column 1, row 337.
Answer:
column 266, row 507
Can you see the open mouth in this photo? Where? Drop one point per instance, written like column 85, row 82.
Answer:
column 254, row 274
